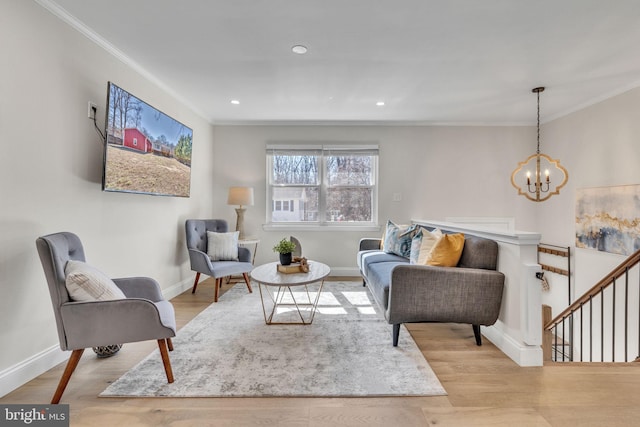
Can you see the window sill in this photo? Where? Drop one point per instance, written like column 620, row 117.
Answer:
column 317, row 227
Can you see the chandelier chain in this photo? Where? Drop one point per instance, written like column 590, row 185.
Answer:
column 538, row 93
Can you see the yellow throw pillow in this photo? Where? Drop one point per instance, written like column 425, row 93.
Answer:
column 447, row 250
column 429, row 240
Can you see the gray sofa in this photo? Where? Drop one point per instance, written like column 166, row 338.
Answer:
column 469, row 293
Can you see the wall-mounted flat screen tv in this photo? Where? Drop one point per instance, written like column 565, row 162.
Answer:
column 146, row 151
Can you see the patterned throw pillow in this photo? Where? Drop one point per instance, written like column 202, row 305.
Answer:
column 415, row 246
column 87, row 283
column 222, row 246
column 397, row 239
column 422, row 244
column 447, row 250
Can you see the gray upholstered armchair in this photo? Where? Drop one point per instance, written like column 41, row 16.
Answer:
column 142, row 315
column 197, row 244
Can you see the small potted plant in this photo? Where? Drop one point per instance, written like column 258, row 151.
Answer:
column 285, row 248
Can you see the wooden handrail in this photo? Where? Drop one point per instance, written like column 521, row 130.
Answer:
column 620, row 270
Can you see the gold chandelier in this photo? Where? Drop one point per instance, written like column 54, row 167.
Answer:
column 533, row 185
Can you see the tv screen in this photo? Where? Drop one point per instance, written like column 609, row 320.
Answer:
column 146, row 151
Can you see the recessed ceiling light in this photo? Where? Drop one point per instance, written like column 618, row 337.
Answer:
column 380, row 103
column 235, row 102
column 299, row 49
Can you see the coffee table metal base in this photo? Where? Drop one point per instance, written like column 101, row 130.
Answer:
column 277, row 301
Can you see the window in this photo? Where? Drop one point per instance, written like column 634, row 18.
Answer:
column 283, row 205
column 322, row 185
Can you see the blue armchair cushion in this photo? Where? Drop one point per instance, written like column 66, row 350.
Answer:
column 222, row 246
column 87, row 283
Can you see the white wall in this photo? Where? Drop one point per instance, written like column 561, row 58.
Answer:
column 50, row 174
column 440, row 172
column 51, row 164
column 600, row 147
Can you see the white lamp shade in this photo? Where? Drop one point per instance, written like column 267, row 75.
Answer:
column 242, row 196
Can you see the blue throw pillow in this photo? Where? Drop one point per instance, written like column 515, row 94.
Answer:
column 416, row 242
column 397, row 238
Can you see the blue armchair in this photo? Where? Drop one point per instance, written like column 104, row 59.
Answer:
column 142, row 315
column 197, row 242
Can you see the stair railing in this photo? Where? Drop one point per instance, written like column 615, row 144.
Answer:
column 564, row 252
column 598, row 312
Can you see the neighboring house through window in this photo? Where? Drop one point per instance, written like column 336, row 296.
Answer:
column 322, row 185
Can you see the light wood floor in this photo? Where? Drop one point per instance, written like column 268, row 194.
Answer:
column 485, row 388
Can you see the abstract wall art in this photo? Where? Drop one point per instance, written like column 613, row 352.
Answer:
column 608, row 219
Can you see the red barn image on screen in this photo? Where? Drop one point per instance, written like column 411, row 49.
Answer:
column 137, row 140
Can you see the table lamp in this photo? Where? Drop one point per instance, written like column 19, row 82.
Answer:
column 241, row 196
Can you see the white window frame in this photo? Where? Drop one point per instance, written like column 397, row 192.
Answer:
column 323, row 151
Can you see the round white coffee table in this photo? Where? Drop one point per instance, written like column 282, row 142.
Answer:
column 281, row 298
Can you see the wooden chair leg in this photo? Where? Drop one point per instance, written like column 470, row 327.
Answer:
column 170, row 344
column 247, row 281
column 217, row 285
column 162, row 344
column 195, row 283
column 66, row 375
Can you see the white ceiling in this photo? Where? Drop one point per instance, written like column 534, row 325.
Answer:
column 430, row 61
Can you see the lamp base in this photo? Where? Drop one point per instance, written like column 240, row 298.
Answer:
column 240, row 222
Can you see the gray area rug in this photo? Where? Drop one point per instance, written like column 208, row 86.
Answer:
column 228, row 350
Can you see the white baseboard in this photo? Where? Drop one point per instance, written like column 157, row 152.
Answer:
column 345, row 271
column 522, row 354
column 23, row 372
column 175, row 290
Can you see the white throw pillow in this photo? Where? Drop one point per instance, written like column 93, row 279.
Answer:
column 87, row 283
column 222, row 246
column 428, row 241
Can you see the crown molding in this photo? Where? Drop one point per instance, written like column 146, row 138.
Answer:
column 96, row 38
